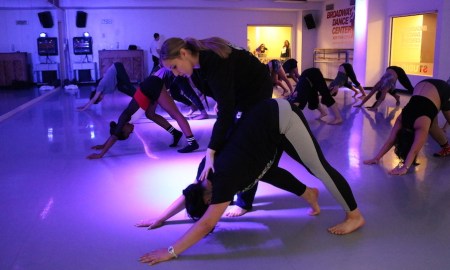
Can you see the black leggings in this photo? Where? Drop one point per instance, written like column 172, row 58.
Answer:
column 310, row 84
column 350, row 73
column 124, row 84
column 181, row 84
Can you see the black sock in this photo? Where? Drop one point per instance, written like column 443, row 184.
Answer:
column 192, row 145
column 191, row 139
column 176, row 135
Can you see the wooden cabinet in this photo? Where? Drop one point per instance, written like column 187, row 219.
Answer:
column 132, row 60
column 13, row 68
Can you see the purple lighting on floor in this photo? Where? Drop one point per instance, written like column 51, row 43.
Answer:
column 46, row 209
column 146, row 148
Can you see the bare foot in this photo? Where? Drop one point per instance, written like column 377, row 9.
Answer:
column 353, row 221
column 335, row 122
column 322, row 115
column 235, row 211
column 311, row 195
column 200, row 116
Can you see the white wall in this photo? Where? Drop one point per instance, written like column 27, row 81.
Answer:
column 376, row 47
column 133, row 26
column 134, row 22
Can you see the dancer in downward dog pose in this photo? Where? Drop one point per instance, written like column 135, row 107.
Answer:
column 151, row 93
column 387, row 85
column 417, row 120
column 241, row 163
column 310, row 84
column 115, row 77
column 346, row 72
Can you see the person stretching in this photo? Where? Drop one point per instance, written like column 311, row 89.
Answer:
column 241, row 163
column 310, row 84
column 278, row 76
column 387, row 85
column 344, row 73
column 151, row 93
column 290, row 67
column 232, row 76
column 115, row 77
column 418, row 119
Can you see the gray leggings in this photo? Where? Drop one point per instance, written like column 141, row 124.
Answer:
column 300, row 144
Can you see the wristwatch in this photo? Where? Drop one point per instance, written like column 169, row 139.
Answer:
column 172, row 252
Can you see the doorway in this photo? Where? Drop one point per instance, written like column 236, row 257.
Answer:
column 272, row 36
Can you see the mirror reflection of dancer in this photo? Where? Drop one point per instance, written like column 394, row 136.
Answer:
column 418, row 119
column 279, row 126
column 114, row 78
column 232, row 76
column 346, row 72
column 310, row 84
column 387, row 85
column 151, row 93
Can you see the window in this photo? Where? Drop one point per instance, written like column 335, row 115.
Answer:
column 412, row 43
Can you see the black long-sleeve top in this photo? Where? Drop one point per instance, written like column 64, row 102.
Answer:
column 236, row 83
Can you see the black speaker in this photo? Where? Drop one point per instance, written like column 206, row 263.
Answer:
column 309, row 20
column 81, row 19
column 46, row 19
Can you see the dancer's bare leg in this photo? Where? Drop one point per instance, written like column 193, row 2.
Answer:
column 363, row 92
column 311, row 195
column 235, row 211
column 355, row 92
column 337, row 115
column 353, row 221
column 323, row 112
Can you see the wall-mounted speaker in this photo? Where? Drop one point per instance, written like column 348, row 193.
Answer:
column 46, row 19
column 81, row 19
column 309, row 20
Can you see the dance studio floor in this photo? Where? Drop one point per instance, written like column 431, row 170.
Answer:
column 59, row 210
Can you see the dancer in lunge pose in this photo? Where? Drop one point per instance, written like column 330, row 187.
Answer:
column 241, row 163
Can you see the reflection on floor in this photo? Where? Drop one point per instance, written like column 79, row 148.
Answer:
column 59, row 210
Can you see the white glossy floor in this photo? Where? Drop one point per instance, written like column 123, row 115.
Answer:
column 59, row 210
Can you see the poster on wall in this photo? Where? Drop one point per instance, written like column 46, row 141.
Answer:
column 341, row 22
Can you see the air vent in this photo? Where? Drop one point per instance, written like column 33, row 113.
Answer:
column 329, row 7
